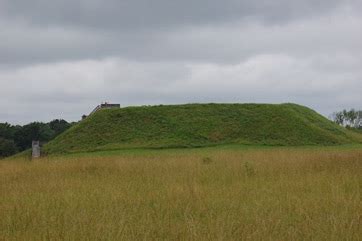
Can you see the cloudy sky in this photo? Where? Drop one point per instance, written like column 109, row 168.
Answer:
column 60, row 58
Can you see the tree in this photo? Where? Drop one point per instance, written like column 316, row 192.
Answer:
column 338, row 118
column 19, row 138
column 7, row 147
column 359, row 120
column 7, row 131
column 33, row 131
column 59, row 126
column 351, row 118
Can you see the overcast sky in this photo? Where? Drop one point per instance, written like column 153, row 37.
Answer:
column 60, row 58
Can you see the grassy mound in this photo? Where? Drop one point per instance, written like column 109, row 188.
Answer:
column 196, row 125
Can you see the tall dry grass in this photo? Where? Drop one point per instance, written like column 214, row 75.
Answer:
column 273, row 194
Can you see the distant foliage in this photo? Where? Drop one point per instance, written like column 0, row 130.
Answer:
column 351, row 118
column 7, row 147
column 59, row 126
column 18, row 138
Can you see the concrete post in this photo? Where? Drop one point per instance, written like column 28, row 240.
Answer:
column 35, row 149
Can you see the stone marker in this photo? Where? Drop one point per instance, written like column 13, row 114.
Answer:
column 35, row 149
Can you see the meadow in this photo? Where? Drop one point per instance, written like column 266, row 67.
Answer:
column 224, row 193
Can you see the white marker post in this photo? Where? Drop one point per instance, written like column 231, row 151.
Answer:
column 35, row 149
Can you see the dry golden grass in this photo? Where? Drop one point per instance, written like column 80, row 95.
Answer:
column 275, row 194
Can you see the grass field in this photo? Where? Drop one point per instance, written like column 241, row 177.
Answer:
column 224, row 193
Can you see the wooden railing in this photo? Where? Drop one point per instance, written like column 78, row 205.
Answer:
column 105, row 106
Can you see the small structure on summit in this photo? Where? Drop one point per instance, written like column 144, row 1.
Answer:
column 35, row 147
column 104, row 105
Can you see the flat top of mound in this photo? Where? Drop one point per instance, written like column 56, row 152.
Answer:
column 196, row 125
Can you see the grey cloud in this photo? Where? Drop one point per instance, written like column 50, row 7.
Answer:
column 72, row 88
column 159, row 13
column 338, row 33
column 58, row 59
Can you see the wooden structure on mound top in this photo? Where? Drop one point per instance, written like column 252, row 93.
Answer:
column 104, row 105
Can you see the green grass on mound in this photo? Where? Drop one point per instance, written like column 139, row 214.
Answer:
column 197, row 125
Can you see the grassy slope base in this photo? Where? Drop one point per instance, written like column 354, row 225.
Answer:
column 196, row 125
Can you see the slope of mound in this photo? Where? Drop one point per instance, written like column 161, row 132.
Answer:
column 195, row 125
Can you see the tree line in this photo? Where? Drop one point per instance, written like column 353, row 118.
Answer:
column 17, row 138
column 348, row 118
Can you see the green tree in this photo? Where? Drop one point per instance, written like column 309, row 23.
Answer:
column 19, row 138
column 33, row 131
column 338, row 118
column 352, row 117
column 59, row 126
column 7, row 147
column 7, row 131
